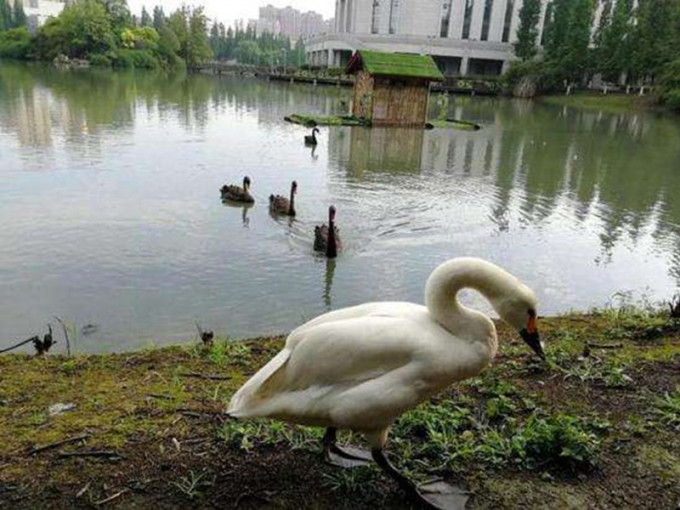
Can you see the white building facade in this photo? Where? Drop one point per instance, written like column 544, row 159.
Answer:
column 464, row 36
column 39, row 11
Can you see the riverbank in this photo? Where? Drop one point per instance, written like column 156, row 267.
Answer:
column 607, row 103
column 593, row 429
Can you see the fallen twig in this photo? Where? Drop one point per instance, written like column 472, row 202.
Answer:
column 58, row 444
column 68, row 343
column 83, row 490
column 605, row 346
column 162, row 397
column 109, row 499
column 98, row 454
column 205, row 376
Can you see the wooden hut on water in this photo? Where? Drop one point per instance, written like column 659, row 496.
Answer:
column 391, row 89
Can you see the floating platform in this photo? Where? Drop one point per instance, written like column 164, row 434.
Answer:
column 314, row 80
column 332, row 120
column 452, row 124
column 350, row 120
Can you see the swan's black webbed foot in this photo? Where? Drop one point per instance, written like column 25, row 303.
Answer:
column 346, row 457
column 434, row 496
column 443, row 496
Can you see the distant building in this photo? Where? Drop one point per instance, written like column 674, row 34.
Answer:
column 290, row 22
column 39, row 11
column 463, row 36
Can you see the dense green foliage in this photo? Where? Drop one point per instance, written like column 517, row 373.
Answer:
column 15, row 43
column 105, row 33
column 631, row 44
column 247, row 47
column 670, row 84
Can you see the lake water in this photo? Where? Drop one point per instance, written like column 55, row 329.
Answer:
column 111, row 214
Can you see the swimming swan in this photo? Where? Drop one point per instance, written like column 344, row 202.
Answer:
column 359, row 368
column 327, row 237
column 238, row 193
column 311, row 139
column 283, row 205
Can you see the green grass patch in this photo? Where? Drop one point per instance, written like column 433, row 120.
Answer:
column 668, row 409
column 609, row 103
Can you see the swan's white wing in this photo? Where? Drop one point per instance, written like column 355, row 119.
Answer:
column 357, row 372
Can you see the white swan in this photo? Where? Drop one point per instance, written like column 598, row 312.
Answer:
column 359, row 368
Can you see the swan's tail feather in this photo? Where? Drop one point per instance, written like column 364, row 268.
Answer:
column 259, row 388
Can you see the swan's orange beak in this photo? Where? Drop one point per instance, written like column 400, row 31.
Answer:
column 531, row 324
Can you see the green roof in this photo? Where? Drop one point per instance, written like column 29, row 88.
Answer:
column 395, row 64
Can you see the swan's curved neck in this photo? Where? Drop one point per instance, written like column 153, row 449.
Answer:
column 291, row 208
column 331, row 246
column 443, row 285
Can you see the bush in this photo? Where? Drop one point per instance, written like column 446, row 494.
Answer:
column 15, row 43
column 99, row 60
column 560, row 439
column 670, row 85
column 135, row 59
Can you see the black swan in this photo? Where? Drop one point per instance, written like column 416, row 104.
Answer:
column 327, row 238
column 283, row 205
column 238, row 193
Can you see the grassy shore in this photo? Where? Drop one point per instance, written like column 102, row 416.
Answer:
column 593, row 427
column 609, row 103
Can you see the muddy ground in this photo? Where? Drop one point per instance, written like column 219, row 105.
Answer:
column 594, row 427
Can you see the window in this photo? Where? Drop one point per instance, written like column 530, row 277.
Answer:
column 467, row 18
column 375, row 25
column 508, row 20
column 446, row 18
column 486, row 20
column 394, row 15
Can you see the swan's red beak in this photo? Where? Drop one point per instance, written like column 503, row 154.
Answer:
column 531, row 337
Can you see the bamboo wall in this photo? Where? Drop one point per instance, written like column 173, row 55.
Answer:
column 398, row 102
column 390, row 101
column 362, row 99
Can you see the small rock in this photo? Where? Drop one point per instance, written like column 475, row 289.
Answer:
column 59, row 409
column 547, row 477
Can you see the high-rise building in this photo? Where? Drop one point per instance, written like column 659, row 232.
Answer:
column 290, row 22
column 464, row 36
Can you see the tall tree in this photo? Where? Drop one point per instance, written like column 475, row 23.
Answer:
column 145, row 20
column 19, row 18
column 158, row 18
column 5, row 15
column 655, row 37
column 613, row 41
column 190, row 26
column 119, row 13
column 575, row 54
column 557, row 29
column 527, row 33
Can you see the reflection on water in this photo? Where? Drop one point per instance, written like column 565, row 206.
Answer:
column 112, row 216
